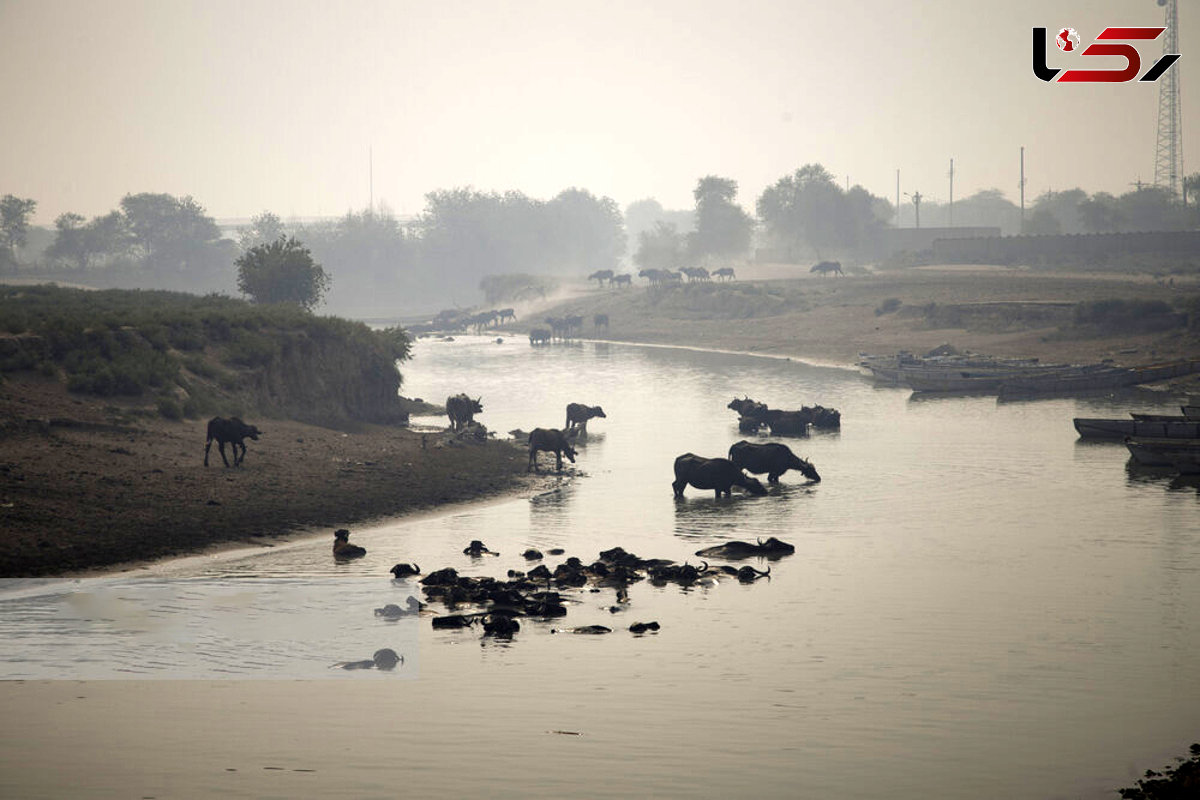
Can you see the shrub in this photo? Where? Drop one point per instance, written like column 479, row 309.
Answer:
column 170, row 408
column 887, row 306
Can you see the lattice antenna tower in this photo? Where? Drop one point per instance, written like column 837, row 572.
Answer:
column 1168, row 155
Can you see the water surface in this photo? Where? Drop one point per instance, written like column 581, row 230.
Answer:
column 979, row 604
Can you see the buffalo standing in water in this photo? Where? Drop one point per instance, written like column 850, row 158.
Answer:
column 549, row 440
column 233, row 431
column 462, row 410
column 826, row 267
column 578, row 415
column 718, row 474
column 772, row 458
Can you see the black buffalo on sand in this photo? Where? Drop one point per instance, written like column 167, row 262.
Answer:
column 232, row 431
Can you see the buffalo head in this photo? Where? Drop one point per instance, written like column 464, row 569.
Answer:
column 807, row 469
column 752, row 485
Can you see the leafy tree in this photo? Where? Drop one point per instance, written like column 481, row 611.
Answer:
column 1100, row 213
column 642, row 215
column 664, row 247
column 263, row 229
column 282, row 272
column 808, row 207
column 14, row 221
column 374, row 259
column 173, row 234
column 587, row 233
column 1191, row 186
column 723, row 229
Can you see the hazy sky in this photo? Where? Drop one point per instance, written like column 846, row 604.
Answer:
column 252, row 106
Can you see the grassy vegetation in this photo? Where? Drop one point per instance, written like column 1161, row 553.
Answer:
column 182, row 351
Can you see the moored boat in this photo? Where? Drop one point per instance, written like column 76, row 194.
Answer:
column 1090, row 428
column 1180, row 454
column 1093, row 378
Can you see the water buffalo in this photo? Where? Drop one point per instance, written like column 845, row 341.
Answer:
column 550, row 440
column 405, row 570
column 600, row 321
column 578, row 415
column 539, row 336
column 462, row 410
column 718, row 474
column 231, row 430
column 772, row 458
column 601, row 275
column 343, row 549
column 826, row 267
column 772, row 548
column 624, row 279
column 724, row 273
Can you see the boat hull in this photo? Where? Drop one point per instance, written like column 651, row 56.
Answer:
column 1180, row 454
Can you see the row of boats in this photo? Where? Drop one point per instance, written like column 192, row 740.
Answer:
column 1154, row 440
column 950, row 372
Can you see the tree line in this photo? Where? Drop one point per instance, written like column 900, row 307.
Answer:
column 371, row 263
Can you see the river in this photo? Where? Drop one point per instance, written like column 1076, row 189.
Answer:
column 979, row 605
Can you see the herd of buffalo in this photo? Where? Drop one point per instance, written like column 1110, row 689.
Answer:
column 538, row 593
column 496, row 606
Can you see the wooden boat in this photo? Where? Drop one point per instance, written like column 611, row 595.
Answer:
column 1093, row 378
column 1089, row 428
column 1180, row 454
column 1190, row 414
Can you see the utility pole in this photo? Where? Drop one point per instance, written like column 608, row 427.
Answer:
column 916, row 198
column 371, row 180
column 1022, row 188
column 897, row 199
column 952, row 193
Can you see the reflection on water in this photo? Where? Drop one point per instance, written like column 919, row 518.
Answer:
column 977, row 606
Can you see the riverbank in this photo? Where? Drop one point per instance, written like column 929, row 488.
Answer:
column 85, row 484
column 783, row 310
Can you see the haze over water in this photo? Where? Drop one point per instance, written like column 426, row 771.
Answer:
column 978, row 606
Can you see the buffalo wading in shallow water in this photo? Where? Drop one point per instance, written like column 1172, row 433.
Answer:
column 461, row 410
column 550, row 440
column 772, row 458
column 578, row 415
column 718, row 474
column 233, row 431
column 342, row 549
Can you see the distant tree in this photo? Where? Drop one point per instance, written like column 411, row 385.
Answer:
column 263, row 229
column 1042, row 222
column 642, row 215
column 1100, row 213
column 282, row 272
column 664, row 247
column 1062, row 207
column 1191, row 186
column 14, row 221
column 173, row 234
column 586, row 233
column 85, row 244
column 809, row 208
column 723, row 229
